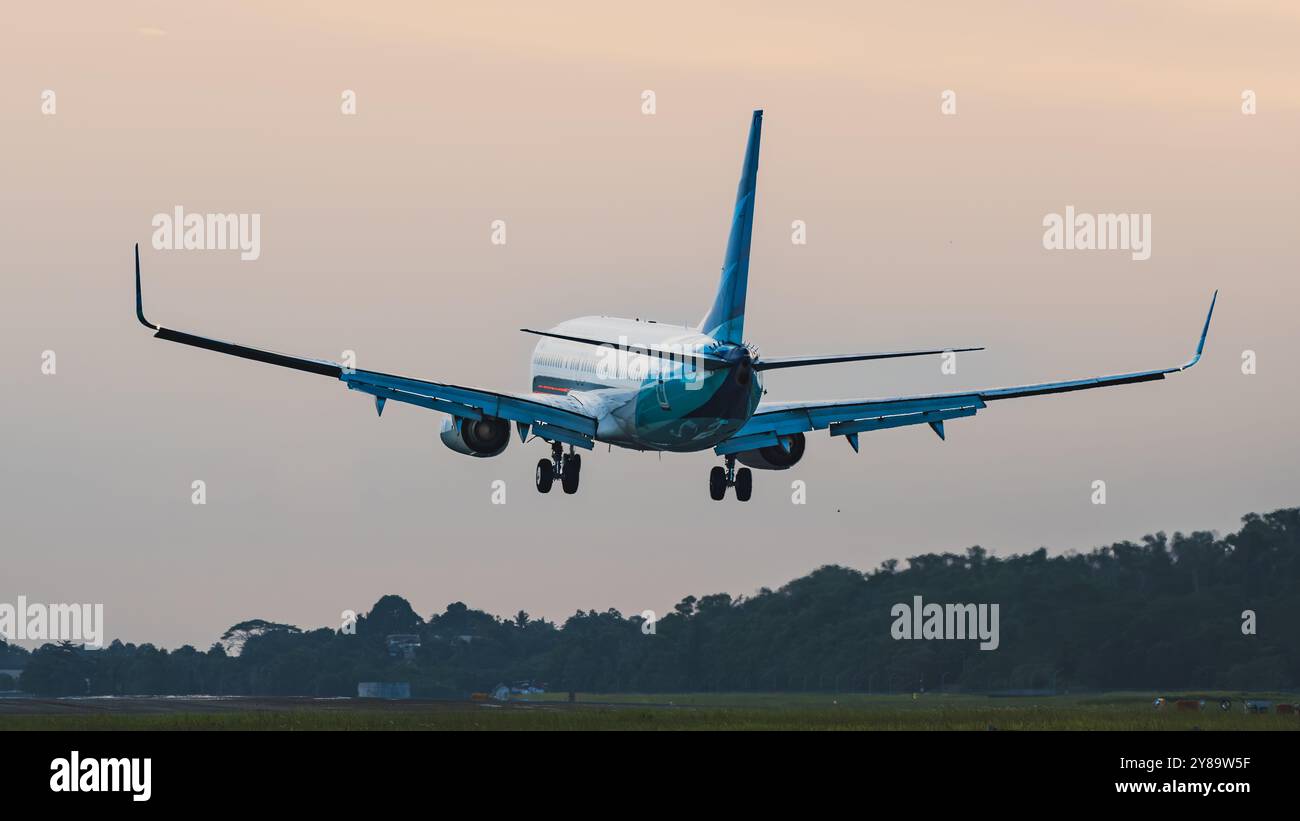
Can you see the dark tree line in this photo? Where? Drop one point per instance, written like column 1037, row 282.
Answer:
column 1162, row 613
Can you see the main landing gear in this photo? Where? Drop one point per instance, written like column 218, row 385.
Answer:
column 721, row 478
column 563, row 466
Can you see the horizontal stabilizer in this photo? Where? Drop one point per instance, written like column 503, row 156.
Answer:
column 698, row 358
column 772, row 363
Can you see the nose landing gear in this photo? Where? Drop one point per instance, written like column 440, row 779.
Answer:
column 563, row 466
column 721, row 478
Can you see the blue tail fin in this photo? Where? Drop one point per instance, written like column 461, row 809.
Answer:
column 726, row 319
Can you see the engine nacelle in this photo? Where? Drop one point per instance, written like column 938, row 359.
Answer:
column 774, row 457
column 476, row 437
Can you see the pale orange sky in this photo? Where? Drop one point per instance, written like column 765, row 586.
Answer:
column 923, row 230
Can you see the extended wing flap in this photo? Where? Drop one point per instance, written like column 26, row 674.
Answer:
column 473, row 402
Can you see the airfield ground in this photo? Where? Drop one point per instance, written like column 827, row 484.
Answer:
column 697, row 711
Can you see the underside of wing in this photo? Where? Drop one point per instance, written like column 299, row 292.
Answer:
column 774, row 422
column 557, row 418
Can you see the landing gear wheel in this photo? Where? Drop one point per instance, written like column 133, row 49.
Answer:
column 744, row 484
column 569, row 473
column 545, row 475
column 717, row 483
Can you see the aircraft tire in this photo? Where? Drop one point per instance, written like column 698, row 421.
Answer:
column 569, row 474
column 545, row 475
column 744, row 484
column 717, row 483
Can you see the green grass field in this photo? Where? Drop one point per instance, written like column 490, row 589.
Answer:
column 697, row 711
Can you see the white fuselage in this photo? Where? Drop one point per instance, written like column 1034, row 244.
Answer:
column 649, row 401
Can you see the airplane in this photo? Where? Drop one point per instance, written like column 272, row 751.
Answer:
column 675, row 388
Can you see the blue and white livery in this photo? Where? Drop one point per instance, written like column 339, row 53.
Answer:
column 648, row 385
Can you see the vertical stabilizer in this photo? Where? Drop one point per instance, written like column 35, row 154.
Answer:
column 726, row 319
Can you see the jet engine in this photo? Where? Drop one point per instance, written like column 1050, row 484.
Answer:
column 476, row 437
column 774, row 457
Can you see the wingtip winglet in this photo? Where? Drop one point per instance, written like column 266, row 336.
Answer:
column 139, row 297
column 1205, row 331
column 1208, row 314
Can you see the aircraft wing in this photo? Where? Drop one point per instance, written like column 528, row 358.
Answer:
column 552, row 417
column 849, row 417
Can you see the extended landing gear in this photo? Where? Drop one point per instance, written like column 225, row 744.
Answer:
column 571, row 466
column 562, row 466
column 545, row 475
column 721, row 478
column 718, row 482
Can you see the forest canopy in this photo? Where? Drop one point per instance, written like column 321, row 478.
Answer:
column 1159, row 613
